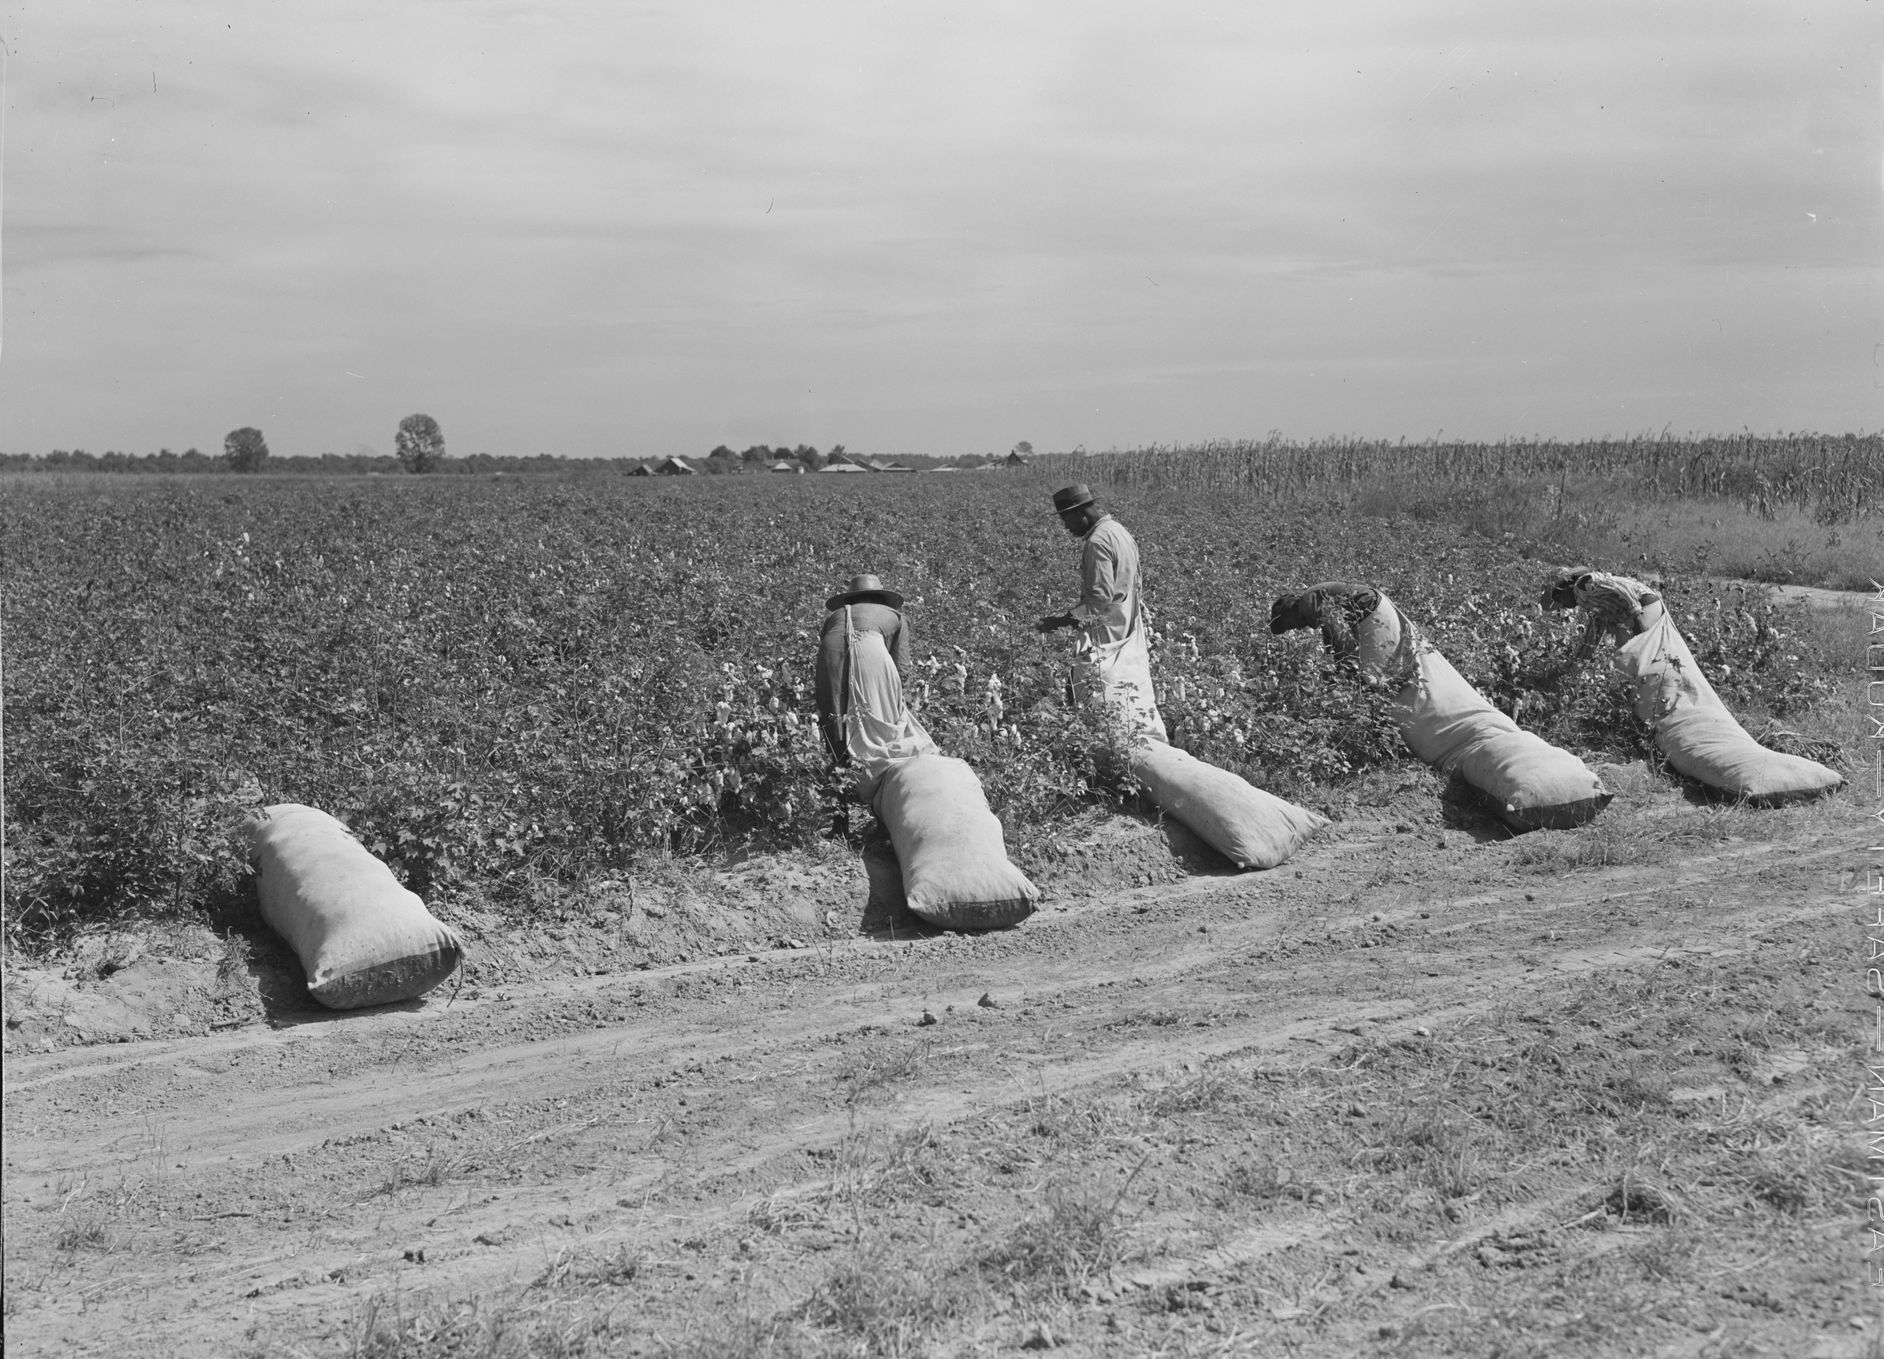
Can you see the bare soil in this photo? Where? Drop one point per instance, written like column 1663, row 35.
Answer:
column 1425, row 1089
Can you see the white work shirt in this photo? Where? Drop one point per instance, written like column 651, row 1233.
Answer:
column 1108, row 605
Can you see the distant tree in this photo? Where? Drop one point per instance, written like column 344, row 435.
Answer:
column 420, row 443
column 810, row 456
column 722, row 451
column 757, row 453
column 245, row 450
column 1025, row 449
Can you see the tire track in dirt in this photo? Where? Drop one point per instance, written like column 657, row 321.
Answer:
column 595, row 1211
column 26, row 1073
column 264, row 1122
column 288, row 1277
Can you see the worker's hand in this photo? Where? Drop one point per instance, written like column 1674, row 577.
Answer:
column 1053, row 622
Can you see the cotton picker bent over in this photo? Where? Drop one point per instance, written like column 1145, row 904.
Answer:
column 1689, row 724
column 1445, row 721
column 949, row 845
column 863, row 650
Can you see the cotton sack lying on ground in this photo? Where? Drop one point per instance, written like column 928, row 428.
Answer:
column 950, row 847
column 1532, row 784
column 1697, row 734
column 1250, row 828
column 362, row 938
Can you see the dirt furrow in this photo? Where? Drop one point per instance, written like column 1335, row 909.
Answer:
column 833, row 993
column 724, row 1166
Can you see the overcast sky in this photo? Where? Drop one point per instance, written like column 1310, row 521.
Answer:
column 649, row 228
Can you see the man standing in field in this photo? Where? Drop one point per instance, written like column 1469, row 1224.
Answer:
column 1111, row 661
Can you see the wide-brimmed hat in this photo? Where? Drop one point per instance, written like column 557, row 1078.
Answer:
column 864, row 589
column 1071, row 498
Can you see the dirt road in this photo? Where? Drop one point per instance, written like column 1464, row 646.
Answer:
column 1416, row 1091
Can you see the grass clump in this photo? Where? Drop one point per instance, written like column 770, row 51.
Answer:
column 83, row 1232
column 891, row 1305
column 1082, row 1233
column 870, row 1073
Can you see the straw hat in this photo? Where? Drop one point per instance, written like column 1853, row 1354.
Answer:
column 864, row 589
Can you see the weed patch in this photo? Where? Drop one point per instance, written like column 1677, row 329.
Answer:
column 1083, row 1232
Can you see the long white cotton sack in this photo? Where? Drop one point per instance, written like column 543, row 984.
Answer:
column 1697, row 734
column 362, row 938
column 956, row 872
column 1532, row 784
column 1250, row 828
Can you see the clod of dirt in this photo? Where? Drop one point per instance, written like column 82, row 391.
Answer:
column 926, row 1020
column 988, row 1002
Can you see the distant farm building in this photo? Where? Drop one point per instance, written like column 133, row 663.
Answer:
column 788, row 465
column 843, row 467
column 640, row 469
column 884, row 465
column 674, row 467
column 1014, row 459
